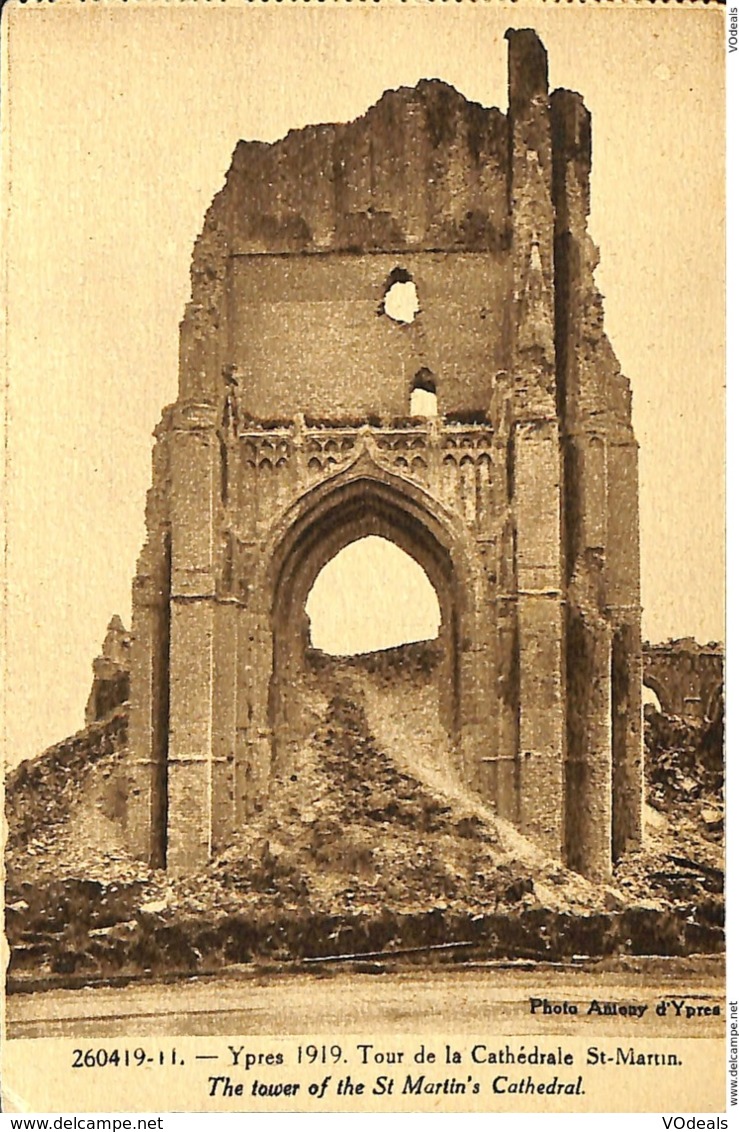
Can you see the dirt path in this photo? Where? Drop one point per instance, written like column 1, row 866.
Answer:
column 475, row 1001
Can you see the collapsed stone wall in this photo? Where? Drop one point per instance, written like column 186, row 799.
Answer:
column 111, row 679
column 67, row 809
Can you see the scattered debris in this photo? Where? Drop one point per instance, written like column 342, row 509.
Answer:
column 682, row 859
column 41, row 793
column 355, row 855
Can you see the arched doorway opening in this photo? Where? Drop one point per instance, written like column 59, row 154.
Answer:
column 336, row 516
column 371, row 596
column 650, row 700
column 373, row 628
column 653, row 697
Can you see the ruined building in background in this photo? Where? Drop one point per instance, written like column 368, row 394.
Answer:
column 687, row 678
column 432, row 245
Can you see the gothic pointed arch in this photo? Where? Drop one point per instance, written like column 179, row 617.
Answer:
column 366, row 500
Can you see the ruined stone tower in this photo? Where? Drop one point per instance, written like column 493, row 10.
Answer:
column 293, row 436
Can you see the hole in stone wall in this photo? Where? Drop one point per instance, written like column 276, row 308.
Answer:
column 400, row 302
column 423, row 403
column 649, row 698
column 371, row 596
column 423, row 395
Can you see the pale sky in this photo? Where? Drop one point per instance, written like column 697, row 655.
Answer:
column 119, row 126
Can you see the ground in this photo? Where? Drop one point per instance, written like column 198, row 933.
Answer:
column 490, row 998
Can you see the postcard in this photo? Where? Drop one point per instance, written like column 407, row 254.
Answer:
column 365, row 627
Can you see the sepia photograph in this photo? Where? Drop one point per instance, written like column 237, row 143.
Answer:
column 364, row 555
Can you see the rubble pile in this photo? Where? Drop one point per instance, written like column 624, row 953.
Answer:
column 41, row 793
column 685, row 784
column 684, row 761
column 347, row 832
column 682, row 860
column 355, row 853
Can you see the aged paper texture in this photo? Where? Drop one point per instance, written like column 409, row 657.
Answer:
column 364, row 729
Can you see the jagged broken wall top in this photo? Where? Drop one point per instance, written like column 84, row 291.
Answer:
column 299, row 247
column 423, row 169
column 305, row 235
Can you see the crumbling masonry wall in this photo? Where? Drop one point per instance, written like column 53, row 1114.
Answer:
column 687, row 677
column 292, row 436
